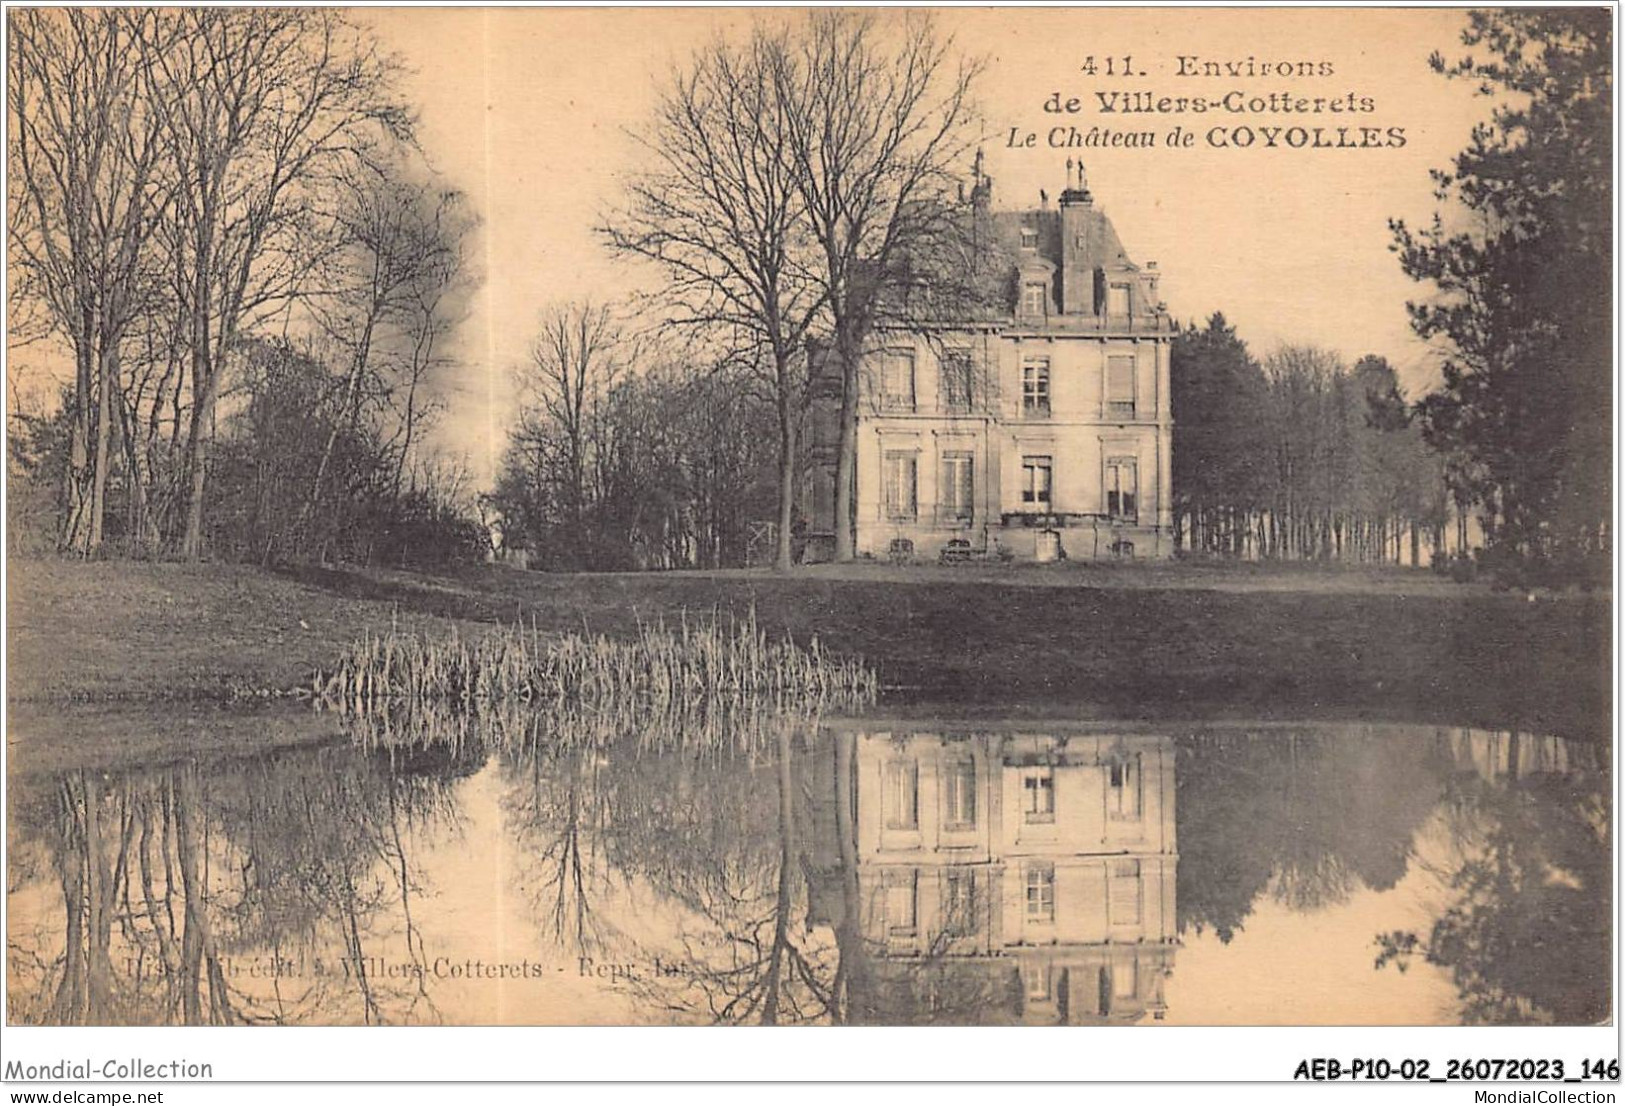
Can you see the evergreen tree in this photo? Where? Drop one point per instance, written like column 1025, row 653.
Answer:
column 1522, row 261
column 1217, row 395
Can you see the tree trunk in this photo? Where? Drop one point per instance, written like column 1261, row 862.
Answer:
column 846, row 466
column 853, row 968
column 784, row 555
column 108, row 357
column 75, row 532
column 204, row 371
column 196, row 461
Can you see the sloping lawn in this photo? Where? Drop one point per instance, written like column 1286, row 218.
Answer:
column 1146, row 645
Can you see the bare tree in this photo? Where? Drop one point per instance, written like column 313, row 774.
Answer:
column 435, row 302
column 578, row 356
column 86, row 190
column 721, row 213
column 259, row 106
column 384, row 301
column 877, row 118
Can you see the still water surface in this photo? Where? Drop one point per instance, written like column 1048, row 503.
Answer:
column 881, row 870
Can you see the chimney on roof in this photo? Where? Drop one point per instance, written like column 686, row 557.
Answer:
column 1077, row 189
column 1079, row 245
column 981, row 192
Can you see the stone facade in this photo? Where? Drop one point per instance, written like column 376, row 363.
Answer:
column 1039, row 430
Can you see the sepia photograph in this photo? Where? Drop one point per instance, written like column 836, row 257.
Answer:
column 963, row 517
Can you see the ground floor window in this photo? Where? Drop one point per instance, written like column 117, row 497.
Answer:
column 1123, row 489
column 1037, row 480
column 902, row 483
column 958, row 486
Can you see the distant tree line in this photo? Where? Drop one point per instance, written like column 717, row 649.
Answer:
column 223, row 219
column 1298, row 456
column 1301, row 456
column 627, row 455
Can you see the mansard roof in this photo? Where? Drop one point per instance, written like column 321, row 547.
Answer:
column 1104, row 249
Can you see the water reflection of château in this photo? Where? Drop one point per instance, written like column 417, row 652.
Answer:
column 1033, row 871
column 857, row 872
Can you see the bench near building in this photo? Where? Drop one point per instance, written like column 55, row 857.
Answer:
column 1039, row 431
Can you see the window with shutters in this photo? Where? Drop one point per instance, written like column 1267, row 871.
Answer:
column 958, row 489
column 902, row 795
column 959, row 795
column 1120, row 386
column 956, row 381
column 902, row 485
column 1124, row 888
column 897, row 380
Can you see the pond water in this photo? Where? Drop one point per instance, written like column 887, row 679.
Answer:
column 880, row 870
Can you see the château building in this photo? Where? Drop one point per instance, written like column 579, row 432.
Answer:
column 1037, row 426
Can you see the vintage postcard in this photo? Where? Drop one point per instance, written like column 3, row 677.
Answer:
column 887, row 517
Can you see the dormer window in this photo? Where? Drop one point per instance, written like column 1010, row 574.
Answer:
column 1034, row 299
column 1029, row 237
column 1117, row 301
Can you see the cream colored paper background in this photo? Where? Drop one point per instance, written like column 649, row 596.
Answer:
column 528, row 110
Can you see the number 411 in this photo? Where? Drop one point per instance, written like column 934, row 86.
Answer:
column 1109, row 67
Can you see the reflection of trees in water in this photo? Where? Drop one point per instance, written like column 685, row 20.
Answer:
column 173, row 879
column 722, row 832
column 1309, row 818
column 714, row 827
column 1526, row 933
column 599, row 798
column 553, row 807
column 1305, row 817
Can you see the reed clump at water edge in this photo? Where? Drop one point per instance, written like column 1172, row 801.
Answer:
column 516, row 730
column 710, row 660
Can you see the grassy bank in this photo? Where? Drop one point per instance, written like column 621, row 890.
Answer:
column 1139, row 641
